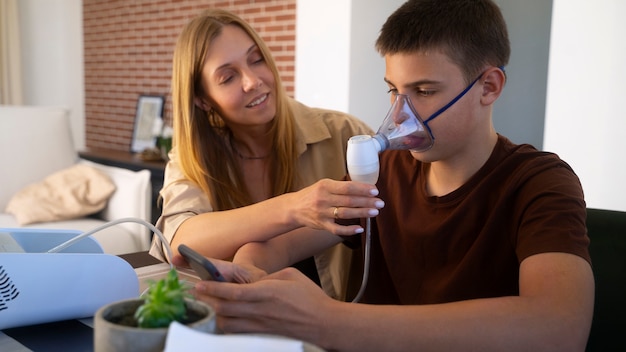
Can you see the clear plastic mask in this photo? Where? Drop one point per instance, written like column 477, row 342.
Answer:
column 403, row 128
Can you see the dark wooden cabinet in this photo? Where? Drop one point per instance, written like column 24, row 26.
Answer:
column 131, row 161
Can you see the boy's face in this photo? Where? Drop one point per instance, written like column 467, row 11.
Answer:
column 431, row 81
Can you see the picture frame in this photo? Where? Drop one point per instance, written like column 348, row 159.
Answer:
column 149, row 109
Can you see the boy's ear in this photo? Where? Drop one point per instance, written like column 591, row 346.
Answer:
column 201, row 104
column 493, row 81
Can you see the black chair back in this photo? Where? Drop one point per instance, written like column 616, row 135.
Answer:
column 607, row 231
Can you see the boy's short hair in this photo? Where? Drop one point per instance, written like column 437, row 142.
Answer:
column 472, row 33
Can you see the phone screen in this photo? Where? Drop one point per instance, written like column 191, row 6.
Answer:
column 200, row 264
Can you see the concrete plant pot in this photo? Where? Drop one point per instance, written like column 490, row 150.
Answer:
column 113, row 333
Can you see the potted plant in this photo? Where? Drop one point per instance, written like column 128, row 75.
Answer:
column 141, row 324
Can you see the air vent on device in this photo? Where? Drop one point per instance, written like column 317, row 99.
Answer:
column 8, row 291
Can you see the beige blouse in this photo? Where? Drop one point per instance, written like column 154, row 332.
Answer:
column 322, row 137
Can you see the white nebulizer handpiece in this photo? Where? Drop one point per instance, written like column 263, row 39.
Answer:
column 362, row 158
column 363, row 166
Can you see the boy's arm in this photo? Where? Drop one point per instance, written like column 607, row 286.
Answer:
column 552, row 313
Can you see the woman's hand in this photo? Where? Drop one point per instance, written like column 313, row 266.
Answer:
column 321, row 204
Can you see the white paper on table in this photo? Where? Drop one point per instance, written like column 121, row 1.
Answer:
column 183, row 338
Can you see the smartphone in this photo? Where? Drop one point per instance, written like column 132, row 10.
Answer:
column 200, row 264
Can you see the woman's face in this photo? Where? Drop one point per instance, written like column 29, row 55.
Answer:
column 240, row 85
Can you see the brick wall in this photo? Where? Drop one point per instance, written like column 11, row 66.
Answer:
column 128, row 52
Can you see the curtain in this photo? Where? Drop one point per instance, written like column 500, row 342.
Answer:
column 10, row 67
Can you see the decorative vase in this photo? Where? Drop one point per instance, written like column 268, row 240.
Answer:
column 113, row 330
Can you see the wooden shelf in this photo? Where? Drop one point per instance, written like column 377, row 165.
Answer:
column 128, row 159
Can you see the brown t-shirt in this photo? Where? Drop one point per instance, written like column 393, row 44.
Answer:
column 469, row 243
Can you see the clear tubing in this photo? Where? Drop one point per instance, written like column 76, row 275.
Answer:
column 168, row 249
column 366, row 260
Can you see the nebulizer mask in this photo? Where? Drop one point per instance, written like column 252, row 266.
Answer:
column 402, row 128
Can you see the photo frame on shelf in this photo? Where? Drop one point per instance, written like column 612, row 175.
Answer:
column 149, row 109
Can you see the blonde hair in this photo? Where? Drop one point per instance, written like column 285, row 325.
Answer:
column 202, row 139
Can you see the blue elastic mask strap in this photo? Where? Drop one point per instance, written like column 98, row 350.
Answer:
column 438, row 112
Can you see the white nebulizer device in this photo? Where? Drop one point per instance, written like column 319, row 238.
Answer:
column 401, row 129
column 363, row 166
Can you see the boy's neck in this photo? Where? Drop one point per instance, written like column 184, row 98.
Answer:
column 446, row 176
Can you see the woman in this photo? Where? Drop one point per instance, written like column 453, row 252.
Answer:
column 246, row 157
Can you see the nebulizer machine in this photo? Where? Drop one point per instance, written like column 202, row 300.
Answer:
column 401, row 129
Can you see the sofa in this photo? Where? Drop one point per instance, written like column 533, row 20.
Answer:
column 35, row 144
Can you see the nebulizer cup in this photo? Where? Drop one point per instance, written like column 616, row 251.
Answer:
column 402, row 128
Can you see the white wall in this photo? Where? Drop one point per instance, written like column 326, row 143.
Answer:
column 585, row 115
column 322, row 53
column 52, row 58
column 368, row 91
column 336, row 65
column 520, row 111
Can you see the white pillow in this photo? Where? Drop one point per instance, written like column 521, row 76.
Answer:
column 132, row 197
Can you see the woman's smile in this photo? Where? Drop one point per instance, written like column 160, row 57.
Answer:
column 258, row 100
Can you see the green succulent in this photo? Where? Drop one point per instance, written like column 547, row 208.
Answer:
column 164, row 303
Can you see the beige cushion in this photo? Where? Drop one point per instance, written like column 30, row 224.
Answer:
column 70, row 193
